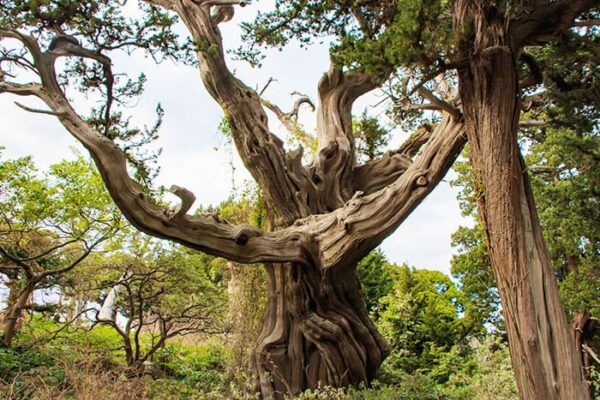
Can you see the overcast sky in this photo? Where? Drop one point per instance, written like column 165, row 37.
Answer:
column 195, row 155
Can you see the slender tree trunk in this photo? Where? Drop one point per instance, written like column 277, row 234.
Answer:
column 246, row 293
column 580, row 324
column 543, row 353
column 14, row 312
column 316, row 332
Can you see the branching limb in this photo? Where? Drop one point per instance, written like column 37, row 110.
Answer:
column 533, row 124
column 242, row 243
column 379, row 173
column 441, row 105
column 349, row 233
column 67, row 46
column 335, row 161
column 288, row 119
column 536, row 76
column 260, row 150
column 18, row 262
column 35, row 110
column 547, row 20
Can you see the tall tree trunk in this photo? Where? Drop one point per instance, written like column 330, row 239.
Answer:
column 13, row 314
column 316, row 332
column 543, row 353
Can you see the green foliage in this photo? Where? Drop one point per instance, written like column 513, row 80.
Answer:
column 377, row 277
column 101, row 342
column 190, row 370
column 104, row 28
column 371, row 137
column 38, row 366
column 49, row 223
column 471, row 267
column 422, row 319
column 571, row 79
column 69, row 203
column 23, row 362
column 368, row 35
column 482, row 373
column 486, row 375
column 30, row 367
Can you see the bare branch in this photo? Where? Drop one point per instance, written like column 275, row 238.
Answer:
column 303, row 99
column 260, row 150
column 264, row 89
column 20, row 89
column 587, row 23
column 187, row 199
column 335, row 161
column 35, row 110
column 50, row 250
column 73, row 264
column 533, row 124
column 289, row 119
column 26, row 267
column 441, row 104
column 379, row 173
column 591, row 352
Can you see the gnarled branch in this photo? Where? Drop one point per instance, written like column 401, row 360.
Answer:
column 376, row 174
column 335, row 160
column 242, row 243
column 547, row 20
column 261, row 151
column 349, row 233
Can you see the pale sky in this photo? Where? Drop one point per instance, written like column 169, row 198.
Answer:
column 189, row 136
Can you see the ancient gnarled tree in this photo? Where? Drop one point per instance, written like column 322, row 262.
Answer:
column 324, row 216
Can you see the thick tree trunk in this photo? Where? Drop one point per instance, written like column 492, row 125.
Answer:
column 13, row 314
column 316, row 332
column 543, row 353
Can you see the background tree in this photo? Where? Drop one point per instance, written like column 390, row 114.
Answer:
column 423, row 318
column 377, row 278
column 50, row 224
column 246, row 285
column 563, row 164
column 166, row 293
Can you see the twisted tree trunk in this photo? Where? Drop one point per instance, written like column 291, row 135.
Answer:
column 317, row 332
